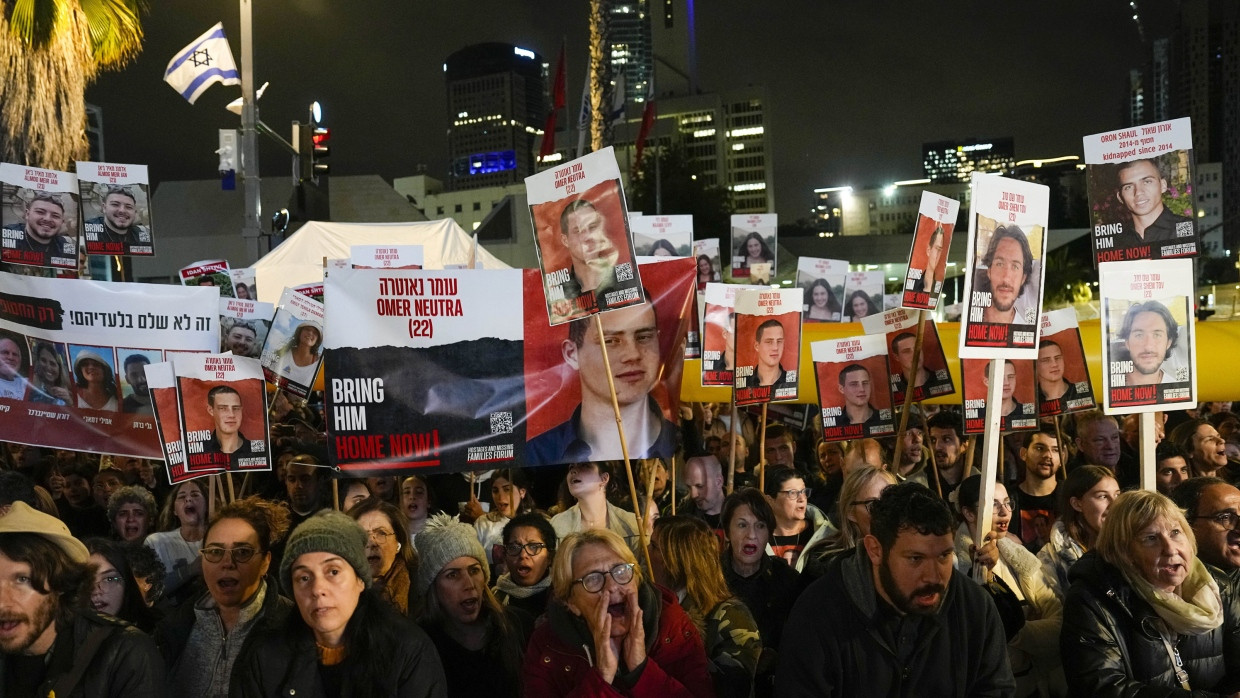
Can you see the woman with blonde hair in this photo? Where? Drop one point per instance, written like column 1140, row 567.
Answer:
column 611, row 631
column 862, row 487
column 684, row 559
column 1144, row 615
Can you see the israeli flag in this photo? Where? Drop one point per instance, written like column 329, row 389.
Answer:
column 206, row 61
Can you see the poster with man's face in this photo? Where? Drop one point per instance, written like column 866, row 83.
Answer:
column 822, row 280
column 1149, row 352
column 852, row 392
column 116, row 208
column 1017, row 404
column 931, row 378
column 706, row 254
column 753, row 247
column 581, row 233
column 719, row 333
column 1004, row 271
column 244, row 326
column 768, row 344
column 863, row 295
column 1141, row 203
column 1064, row 385
column 662, row 236
column 224, row 411
column 209, row 272
column 927, row 263
column 161, row 381
column 38, row 217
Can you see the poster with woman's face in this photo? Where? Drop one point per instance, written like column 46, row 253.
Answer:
column 863, row 294
column 822, row 281
column 662, row 236
column 94, row 373
column 293, row 350
column 706, row 252
column 753, row 247
column 927, row 263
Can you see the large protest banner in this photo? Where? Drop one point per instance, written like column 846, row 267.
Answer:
column 899, row 328
column 73, row 354
column 581, row 233
column 768, row 344
column 1017, row 406
column 1063, row 378
column 662, row 236
column 223, row 406
column 1004, row 272
column 1149, row 348
column 293, row 350
column 39, row 217
column 823, row 283
column 927, row 259
column 116, row 208
column 852, row 391
column 1140, row 184
column 457, row 370
column 754, row 237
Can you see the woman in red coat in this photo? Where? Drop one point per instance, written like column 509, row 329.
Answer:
column 607, row 633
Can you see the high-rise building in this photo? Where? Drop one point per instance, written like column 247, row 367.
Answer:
column 630, row 47
column 956, row 161
column 497, row 103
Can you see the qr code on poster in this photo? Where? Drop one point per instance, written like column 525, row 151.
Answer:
column 624, row 272
column 501, row 422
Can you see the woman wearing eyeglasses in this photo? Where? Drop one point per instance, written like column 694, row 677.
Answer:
column 611, row 631
column 862, row 487
column 529, row 548
column 1033, row 649
column 510, row 495
column 392, row 561
column 116, row 592
column 796, row 522
column 202, row 639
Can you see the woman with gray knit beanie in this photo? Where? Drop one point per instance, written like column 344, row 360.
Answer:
column 345, row 641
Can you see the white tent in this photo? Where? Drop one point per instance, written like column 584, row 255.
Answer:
column 299, row 259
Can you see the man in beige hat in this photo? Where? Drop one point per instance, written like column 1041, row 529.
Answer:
column 44, row 574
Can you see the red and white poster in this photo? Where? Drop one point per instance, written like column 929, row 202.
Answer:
column 39, row 217
column 719, row 333
column 822, row 280
column 927, row 259
column 1140, row 184
column 166, row 402
column 581, row 233
column 209, row 272
column 754, row 238
column 116, row 209
column 1004, row 271
column 294, row 347
column 852, row 389
column 768, row 344
column 1020, row 411
column 706, row 252
column 223, row 412
column 1063, row 375
column 73, row 355
column 386, row 256
column 1149, row 348
column 931, row 376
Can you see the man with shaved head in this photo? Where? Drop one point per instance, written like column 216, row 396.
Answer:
column 704, row 478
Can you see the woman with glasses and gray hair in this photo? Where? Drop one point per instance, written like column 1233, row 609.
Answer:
column 612, row 631
column 1145, row 616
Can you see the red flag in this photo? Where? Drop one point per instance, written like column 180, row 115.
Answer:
column 644, row 132
column 559, row 98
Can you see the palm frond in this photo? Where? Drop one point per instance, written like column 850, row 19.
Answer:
column 32, row 22
column 115, row 30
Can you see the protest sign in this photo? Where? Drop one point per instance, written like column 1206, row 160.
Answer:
column 581, row 233
column 768, row 344
column 209, row 272
column 693, row 340
column 386, row 256
column 899, row 328
column 292, row 352
column 244, row 326
column 753, row 247
column 927, row 259
column 823, row 283
column 314, row 289
column 116, row 207
column 74, row 352
column 166, row 404
column 243, row 283
column 719, row 333
column 1004, row 271
column 223, row 402
column 863, row 294
column 662, row 236
column 852, row 392
column 1149, row 349
column 1019, row 411
column 1063, row 376
column 1140, row 184
column 706, row 252
column 38, row 217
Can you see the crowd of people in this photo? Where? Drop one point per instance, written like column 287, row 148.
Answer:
column 779, row 564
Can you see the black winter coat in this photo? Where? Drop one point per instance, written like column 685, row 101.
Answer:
column 1110, row 644
column 174, row 630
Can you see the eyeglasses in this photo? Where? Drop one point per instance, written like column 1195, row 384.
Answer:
column 593, row 582
column 796, row 494
column 531, row 549
column 1003, row 504
column 240, row 555
column 108, row 582
column 1229, row 520
column 867, row 503
column 379, row 535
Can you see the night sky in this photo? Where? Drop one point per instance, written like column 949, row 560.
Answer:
column 855, row 88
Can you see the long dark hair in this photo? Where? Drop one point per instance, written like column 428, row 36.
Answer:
column 371, row 636
column 133, row 606
column 743, row 251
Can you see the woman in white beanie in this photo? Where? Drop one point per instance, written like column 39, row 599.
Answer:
column 468, row 625
column 345, row 640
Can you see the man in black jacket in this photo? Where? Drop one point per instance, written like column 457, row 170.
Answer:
column 893, row 619
column 44, row 574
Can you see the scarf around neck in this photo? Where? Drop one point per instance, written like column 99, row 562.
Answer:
column 1197, row 609
column 516, row 591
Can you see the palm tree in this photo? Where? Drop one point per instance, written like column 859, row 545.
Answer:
column 50, row 50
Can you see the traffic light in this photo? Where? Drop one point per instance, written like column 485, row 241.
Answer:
column 319, row 151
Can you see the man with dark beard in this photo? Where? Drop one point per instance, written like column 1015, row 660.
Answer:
column 892, row 618
column 44, row 574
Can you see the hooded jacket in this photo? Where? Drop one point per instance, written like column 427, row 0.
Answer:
column 1111, row 644
column 834, row 646
column 559, row 660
